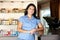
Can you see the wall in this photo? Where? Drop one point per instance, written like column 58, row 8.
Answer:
column 54, row 6
column 59, row 11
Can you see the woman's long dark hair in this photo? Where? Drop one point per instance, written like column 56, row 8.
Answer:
column 34, row 14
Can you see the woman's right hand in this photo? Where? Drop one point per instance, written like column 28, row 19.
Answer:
column 32, row 31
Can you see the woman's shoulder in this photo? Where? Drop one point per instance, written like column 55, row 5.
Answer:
column 21, row 18
column 37, row 18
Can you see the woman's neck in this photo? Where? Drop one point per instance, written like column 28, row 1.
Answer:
column 29, row 16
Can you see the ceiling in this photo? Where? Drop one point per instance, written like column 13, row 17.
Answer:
column 42, row 1
column 39, row 0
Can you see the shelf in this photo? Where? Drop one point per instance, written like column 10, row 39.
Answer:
column 7, row 30
column 19, row 4
column 11, row 15
column 14, row 10
column 8, row 36
column 8, row 27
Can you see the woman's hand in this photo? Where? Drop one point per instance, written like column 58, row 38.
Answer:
column 40, row 29
column 32, row 31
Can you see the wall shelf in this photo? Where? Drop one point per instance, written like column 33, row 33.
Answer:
column 12, row 9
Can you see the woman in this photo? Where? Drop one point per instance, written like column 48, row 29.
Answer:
column 27, row 25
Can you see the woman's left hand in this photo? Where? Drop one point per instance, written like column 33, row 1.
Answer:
column 32, row 31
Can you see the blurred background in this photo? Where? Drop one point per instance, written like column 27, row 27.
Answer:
column 47, row 10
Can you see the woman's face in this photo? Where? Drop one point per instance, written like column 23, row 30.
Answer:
column 30, row 10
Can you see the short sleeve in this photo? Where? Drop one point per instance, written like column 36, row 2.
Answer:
column 20, row 19
column 38, row 21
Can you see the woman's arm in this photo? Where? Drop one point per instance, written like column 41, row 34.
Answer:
column 40, row 29
column 19, row 28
